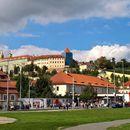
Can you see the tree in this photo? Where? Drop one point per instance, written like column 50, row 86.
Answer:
column 43, row 88
column 88, row 93
column 101, row 62
column 16, row 69
column 53, row 72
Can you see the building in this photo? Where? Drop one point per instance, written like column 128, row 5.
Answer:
column 63, row 84
column 86, row 66
column 8, row 64
column 52, row 62
column 68, row 57
column 7, row 87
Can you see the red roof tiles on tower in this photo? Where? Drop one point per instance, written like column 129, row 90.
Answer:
column 66, row 50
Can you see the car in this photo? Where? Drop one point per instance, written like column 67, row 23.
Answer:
column 117, row 105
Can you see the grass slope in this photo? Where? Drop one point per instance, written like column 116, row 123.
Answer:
column 54, row 120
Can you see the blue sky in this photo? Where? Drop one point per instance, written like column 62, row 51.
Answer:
column 75, row 34
column 90, row 30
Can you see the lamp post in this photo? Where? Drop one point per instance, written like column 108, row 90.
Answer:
column 123, row 78
column 20, row 91
column 7, row 102
column 107, row 94
column 73, row 94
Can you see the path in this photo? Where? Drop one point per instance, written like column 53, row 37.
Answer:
column 5, row 120
column 100, row 126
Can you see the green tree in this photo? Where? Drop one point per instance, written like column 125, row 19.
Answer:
column 101, row 62
column 53, row 72
column 88, row 93
column 43, row 87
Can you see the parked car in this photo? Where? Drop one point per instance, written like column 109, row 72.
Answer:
column 117, row 105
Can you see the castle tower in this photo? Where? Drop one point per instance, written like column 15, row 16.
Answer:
column 68, row 56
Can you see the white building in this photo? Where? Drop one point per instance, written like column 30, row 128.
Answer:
column 63, row 84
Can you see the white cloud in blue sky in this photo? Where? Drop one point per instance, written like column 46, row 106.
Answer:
column 117, row 51
column 91, row 28
column 14, row 14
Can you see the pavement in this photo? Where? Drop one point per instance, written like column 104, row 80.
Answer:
column 6, row 120
column 99, row 126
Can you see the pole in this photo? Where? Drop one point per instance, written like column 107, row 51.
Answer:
column 114, row 87
column 73, row 94
column 123, row 79
column 107, row 95
column 20, row 85
column 7, row 86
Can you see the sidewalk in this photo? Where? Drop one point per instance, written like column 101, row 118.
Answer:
column 100, row 126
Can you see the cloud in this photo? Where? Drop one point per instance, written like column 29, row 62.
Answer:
column 14, row 14
column 33, row 50
column 108, row 51
column 27, row 35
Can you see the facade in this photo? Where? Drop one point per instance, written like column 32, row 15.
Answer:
column 63, row 84
column 8, row 64
column 125, row 89
column 86, row 66
column 7, row 87
column 50, row 61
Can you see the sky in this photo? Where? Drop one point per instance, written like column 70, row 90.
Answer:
column 89, row 28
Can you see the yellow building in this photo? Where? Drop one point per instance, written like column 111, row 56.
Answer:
column 50, row 61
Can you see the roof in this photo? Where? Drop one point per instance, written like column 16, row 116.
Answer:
column 13, row 91
column 16, row 57
column 47, row 56
column 2, row 73
column 11, row 84
column 66, row 50
column 126, row 85
column 86, row 63
column 79, row 79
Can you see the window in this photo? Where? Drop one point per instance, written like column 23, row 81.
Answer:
column 57, row 88
column 12, row 97
column 4, row 97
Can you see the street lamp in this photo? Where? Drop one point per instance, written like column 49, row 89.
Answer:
column 7, row 102
column 107, row 94
column 20, row 91
column 123, row 78
column 73, row 94
column 7, row 91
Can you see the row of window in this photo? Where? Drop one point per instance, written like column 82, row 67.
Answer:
column 56, row 61
column 56, row 66
column 11, row 97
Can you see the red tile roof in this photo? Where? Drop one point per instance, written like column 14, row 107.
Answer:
column 66, row 50
column 16, row 57
column 86, row 63
column 9, row 91
column 47, row 56
column 79, row 79
column 2, row 73
column 126, row 85
column 11, row 84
